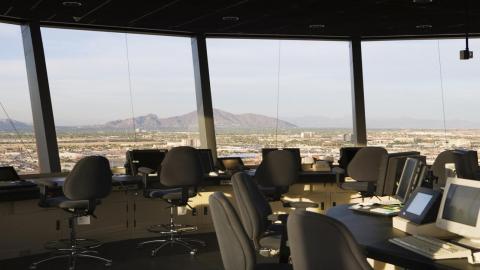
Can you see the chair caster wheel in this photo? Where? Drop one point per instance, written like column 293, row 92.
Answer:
column 108, row 264
column 33, row 266
column 153, row 254
column 193, row 252
column 71, row 268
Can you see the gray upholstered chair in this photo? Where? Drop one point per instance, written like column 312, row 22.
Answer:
column 367, row 167
column 89, row 181
column 255, row 213
column 236, row 248
column 181, row 173
column 277, row 173
column 319, row 242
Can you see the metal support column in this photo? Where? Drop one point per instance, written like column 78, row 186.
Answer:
column 203, row 94
column 43, row 122
column 358, row 101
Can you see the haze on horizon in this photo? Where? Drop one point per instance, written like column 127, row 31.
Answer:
column 89, row 79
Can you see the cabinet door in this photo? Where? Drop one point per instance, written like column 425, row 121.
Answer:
column 25, row 228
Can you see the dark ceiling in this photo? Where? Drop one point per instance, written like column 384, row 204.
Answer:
column 340, row 18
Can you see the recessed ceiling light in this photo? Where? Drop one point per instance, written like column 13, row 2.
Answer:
column 316, row 26
column 230, row 18
column 71, row 4
column 423, row 26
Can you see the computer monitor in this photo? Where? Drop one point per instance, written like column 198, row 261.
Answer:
column 295, row 151
column 411, row 178
column 149, row 158
column 206, row 158
column 459, row 211
column 8, row 173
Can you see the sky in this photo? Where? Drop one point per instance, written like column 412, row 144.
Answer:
column 92, row 80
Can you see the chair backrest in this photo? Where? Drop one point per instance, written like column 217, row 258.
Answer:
column 319, row 242
column 235, row 247
column 181, row 168
column 252, row 206
column 369, row 164
column 462, row 166
column 90, row 179
column 346, row 155
column 231, row 164
column 283, row 168
column 149, row 158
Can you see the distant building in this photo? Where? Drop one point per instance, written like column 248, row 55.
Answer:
column 306, row 135
column 347, row 137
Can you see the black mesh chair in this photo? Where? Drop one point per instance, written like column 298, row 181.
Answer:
column 236, row 248
column 181, row 173
column 89, row 181
column 277, row 172
column 319, row 242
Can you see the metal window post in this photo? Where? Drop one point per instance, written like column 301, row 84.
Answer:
column 203, row 94
column 43, row 122
column 358, row 100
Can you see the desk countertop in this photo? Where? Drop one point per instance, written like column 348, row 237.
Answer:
column 372, row 233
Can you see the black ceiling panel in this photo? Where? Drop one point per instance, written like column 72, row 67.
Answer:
column 366, row 18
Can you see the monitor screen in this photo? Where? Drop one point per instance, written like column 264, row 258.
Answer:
column 418, row 204
column 462, row 204
column 206, row 159
column 8, row 173
column 149, row 158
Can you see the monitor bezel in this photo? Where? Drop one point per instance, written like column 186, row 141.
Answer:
column 419, row 219
column 464, row 230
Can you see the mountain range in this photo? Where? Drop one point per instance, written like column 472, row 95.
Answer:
column 229, row 121
column 189, row 121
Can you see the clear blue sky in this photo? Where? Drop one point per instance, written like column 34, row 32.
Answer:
column 89, row 77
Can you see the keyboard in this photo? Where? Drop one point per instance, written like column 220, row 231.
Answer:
column 431, row 247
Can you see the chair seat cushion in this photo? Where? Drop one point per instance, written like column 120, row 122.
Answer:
column 54, row 201
column 78, row 204
column 65, row 203
column 170, row 194
column 270, row 241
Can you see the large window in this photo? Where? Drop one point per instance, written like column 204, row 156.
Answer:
column 420, row 96
column 304, row 84
column 101, row 81
column 17, row 141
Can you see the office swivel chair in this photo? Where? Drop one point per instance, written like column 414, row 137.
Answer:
column 181, row 173
column 235, row 247
column 366, row 168
column 462, row 166
column 319, row 242
column 89, row 181
column 277, row 172
column 346, row 155
column 256, row 215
